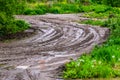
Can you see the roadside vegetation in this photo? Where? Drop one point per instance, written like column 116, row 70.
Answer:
column 104, row 60
column 8, row 24
column 64, row 6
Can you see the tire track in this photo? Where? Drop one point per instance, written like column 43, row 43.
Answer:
column 58, row 39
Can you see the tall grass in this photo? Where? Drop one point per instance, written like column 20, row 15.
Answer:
column 103, row 61
column 65, row 7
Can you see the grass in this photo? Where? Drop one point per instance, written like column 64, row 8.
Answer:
column 97, row 15
column 64, row 7
column 103, row 61
column 93, row 22
column 42, row 8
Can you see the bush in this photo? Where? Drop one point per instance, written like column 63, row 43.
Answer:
column 36, row 9
column 56, row 10
column 29, row 11
column 8, row 25
column 53, row 8
column 12, row 6
column 114, row 3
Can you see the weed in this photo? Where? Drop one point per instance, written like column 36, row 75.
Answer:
column 93, row 22
column 103, row 61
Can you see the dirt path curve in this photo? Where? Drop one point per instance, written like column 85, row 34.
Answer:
column 58, row 38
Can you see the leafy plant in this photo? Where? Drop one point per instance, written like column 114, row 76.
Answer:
column 8, row 25
column 93, row 22
column 87, row 67
column 103, row 61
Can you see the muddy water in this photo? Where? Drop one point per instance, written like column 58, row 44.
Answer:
column 57, row 40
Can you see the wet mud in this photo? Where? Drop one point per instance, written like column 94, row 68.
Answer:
column 57, row 39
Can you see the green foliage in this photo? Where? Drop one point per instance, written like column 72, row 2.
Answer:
column 8, row 25
column 103, row 61
column 86, row 67
column 98, row 11
column 66, row 8
column 52, row 8
column 114, row 24
column 6, row 6
column 37, row 9
column 96, row 15
column 31, row 0
column 100, row 64
column 42, row 8
column 93, row 22
column 97, row 8
column 109, row 54
column 113, row 3
column 12, row 6
column 56, row 10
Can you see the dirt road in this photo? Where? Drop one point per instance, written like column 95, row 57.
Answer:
column 57, row 40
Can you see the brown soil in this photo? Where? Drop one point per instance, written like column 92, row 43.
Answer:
column 58, row 38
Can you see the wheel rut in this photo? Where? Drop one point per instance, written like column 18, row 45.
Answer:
column 58, row 39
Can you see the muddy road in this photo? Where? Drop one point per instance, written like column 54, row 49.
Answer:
column 57, row 40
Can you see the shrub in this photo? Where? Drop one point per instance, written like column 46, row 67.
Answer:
column 8, row 25
column 56, row 10
column 36, row 9
column 30, row 12
column 114, row 3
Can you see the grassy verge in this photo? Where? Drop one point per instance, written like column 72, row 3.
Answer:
column 8, row 25
column 97, row 10
column 103, row 61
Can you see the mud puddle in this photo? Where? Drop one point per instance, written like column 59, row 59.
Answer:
column 58, row 39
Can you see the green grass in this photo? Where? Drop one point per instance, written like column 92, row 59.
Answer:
column 42, row 8
column 8, row 25
column 64, row 7
column 103, row 61
column 104, row 15
column 93, row 22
